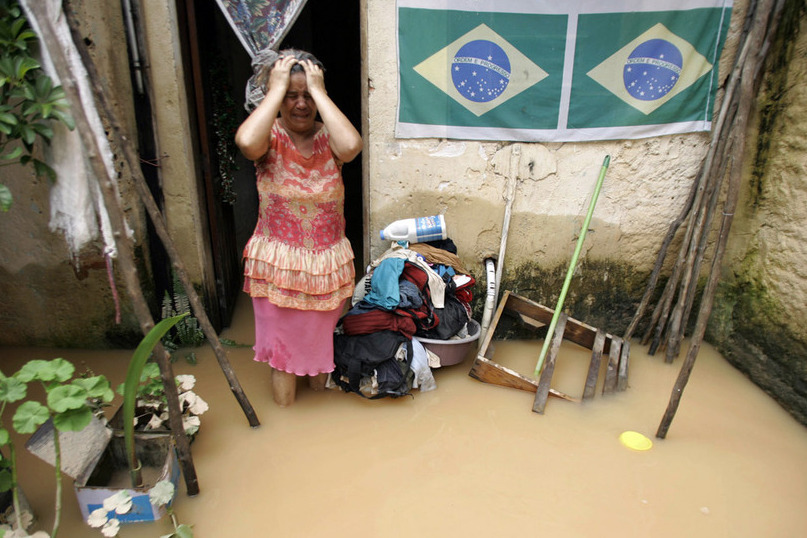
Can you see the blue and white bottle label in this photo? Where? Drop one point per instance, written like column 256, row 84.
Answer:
column 429, row 228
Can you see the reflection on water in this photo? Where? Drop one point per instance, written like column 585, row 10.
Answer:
column 472, row 459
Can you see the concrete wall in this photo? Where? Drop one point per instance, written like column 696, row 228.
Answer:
column 760, row 313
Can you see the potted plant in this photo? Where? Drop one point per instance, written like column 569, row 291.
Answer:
column 130, row 390
column 70, row 415
column 151, row 405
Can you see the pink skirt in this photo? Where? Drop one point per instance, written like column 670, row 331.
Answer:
column 299, row 342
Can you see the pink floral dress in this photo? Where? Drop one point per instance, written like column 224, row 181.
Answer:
column 298, row 257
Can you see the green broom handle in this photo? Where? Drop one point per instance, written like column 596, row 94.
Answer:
column 572, row 266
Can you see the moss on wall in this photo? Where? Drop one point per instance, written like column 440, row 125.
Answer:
column 602, row 293
column 744, row 328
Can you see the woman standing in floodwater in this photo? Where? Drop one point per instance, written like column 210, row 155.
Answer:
column 298, row 262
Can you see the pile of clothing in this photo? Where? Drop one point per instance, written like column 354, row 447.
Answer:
column 418, row 289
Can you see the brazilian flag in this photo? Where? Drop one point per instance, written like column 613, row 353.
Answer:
column 647, row 68
column 557, row 71
column 478, row 70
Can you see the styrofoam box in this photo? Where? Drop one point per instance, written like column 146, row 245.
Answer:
column 91, row 455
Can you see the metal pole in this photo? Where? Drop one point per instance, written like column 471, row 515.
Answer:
column 572, row 266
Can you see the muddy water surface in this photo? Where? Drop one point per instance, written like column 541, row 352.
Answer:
column 472, row 459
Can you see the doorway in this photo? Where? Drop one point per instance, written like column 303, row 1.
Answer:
column 218, row 68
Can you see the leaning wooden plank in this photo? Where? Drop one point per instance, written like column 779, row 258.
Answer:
column 613, row 365
column 530, row 309
column 622, row 378
column 487, row 371
column 542, row 393
column 576, row 331
column 594, row 366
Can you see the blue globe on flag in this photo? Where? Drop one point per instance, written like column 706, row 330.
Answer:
column 652, row 69
column 480, row 70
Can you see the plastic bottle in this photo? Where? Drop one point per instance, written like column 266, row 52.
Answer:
column 417, row 230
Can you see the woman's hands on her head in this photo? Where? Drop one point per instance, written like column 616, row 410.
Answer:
column 253, row 136
column 314, row 76
column 280, row 74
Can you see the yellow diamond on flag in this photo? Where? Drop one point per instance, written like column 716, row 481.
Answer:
column 651, row 69
column 480, row 70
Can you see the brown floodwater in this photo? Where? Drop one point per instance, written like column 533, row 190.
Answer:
column 470, row 458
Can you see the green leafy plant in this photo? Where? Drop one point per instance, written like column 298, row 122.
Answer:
column 186, row 333
column 29, row 101
column 69, row 403
column 130, row 389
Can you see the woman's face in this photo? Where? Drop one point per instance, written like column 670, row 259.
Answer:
column 298, row 109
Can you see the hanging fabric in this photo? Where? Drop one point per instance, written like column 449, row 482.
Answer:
column 261, row 24
column 76, row 203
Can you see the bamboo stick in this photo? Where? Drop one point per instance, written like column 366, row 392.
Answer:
column 572, row 266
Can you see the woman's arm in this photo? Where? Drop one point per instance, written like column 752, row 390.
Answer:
column 254, row 135
column 346, row 141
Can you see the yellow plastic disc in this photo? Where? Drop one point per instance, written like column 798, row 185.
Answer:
column 635, row 441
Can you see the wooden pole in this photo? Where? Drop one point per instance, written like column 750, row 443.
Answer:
column 694, row 256
column 118, row 222
column 510, row 194
column 158, row 221
column 765, row 21
column 713, row 162
column 662, row 255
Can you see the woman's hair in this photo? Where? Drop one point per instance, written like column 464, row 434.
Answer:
column 262, row 65
column 262, row 78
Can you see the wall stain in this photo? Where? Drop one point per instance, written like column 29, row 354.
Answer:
column 772, row 99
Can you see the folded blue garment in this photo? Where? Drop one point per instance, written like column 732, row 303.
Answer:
column 384, row 289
